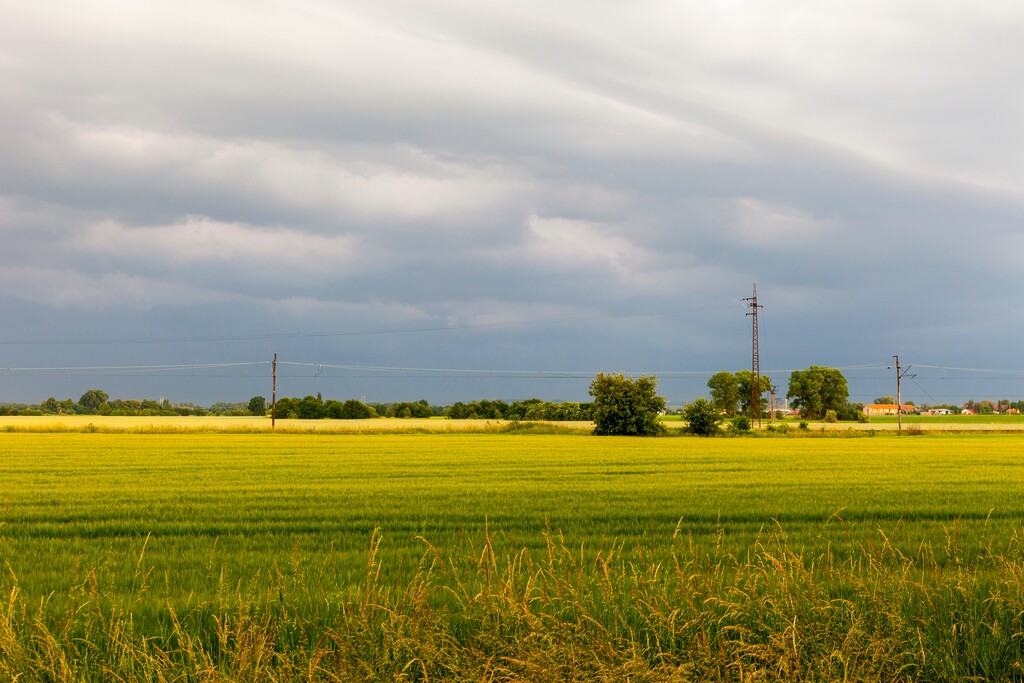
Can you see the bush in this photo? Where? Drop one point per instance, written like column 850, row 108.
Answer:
column 831, row 416
column 702, row 417
column 741, row 423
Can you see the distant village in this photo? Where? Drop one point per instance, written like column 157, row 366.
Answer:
column 967, row 408
column 881, row 408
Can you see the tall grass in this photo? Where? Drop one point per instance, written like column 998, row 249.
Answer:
column 560, row 614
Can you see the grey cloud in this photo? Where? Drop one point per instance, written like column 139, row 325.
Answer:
column 176, row 171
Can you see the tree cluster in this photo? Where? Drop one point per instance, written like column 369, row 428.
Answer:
column 406, row 409
column 818, row 392
column 98, row 402
column 315, row 408
column 731, row 393
column 530, row 409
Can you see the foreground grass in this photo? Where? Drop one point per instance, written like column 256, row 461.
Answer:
column 208, row 557
column 560, row 615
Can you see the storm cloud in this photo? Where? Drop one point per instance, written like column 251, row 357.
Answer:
column 453, row 186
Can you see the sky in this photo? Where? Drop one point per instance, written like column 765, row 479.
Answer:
column 455, row 200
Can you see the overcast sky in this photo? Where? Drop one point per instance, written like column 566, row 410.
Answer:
column 187, row 183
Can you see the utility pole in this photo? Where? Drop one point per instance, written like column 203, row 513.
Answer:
column 899, row 397
column 755, row 361
column 273, row 396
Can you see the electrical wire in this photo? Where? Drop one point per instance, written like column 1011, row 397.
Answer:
column 359, row 333
column 453, row 372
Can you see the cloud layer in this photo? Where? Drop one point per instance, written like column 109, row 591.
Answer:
column 183, row 170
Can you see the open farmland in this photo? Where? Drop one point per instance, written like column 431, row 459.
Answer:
column 221, row 423
column 231, row 424
column 216, row 528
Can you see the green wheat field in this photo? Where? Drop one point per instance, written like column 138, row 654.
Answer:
column 212, row 556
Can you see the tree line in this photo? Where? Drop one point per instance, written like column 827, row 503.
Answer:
column 621, row 405
column 315, row 408
column 98, row 402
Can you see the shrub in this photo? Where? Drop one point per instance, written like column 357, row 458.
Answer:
column 831, row 416
column 702, row 417
column 741, row 423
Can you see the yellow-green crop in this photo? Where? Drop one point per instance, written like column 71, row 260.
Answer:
column 245, row 502
column 172, row 524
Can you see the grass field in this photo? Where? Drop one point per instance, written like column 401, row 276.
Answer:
column 159, row 424
column 673, row 423
column 178, row 536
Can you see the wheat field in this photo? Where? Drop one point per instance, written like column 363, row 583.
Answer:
column 216, row 556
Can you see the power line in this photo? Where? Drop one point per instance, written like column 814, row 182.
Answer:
column 347, row 371
column 455, row 372
column 141, row 369
column 359, row 333
column 956, row 369
column 387, row 369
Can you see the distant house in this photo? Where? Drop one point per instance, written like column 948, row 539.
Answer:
column 967, row 411
column 888, row 409
column 1012, row 411
column 939, row 411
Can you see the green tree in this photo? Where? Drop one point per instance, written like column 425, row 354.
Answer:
column 702, row 417
column 459, row 411
column 725, row 392
column 258, row 406
column 886, row 400
column 852, row 412
column 816, row 390
column 744, row 384
column 356, row 410
column 311, row 408
column 93, row 400
column 626, row 406
column 287, row 408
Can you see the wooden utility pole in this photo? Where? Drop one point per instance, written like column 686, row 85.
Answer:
column 899, row 396
column 273, row 396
